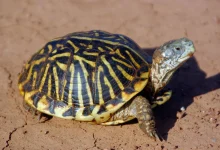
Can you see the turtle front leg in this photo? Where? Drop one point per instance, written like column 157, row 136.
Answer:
column 139, row 108
column 160, row 100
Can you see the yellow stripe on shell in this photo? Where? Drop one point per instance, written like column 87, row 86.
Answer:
column 21, row 89
column 67, row 54
column 112, row 73
column 64, row 85
column 101, row 49
column 50, row 48
column 96, row 34
column 92, row 63
column 112, row 94
column 90, row 46
column 104, row 115
column 144, row 75
column 99, row 85
column 76, row 49
column 132, row 59
column 41, row 51
column 119, row 53
column 81, row 117
column 43, row 79
column 27, row 65
column 28, row 99
column 91, row 53
column 28, row 77
column 110, row 37
column 128, row 96
column 56, row 82
column 60, row 46
column 140, row 85
column 111, row 49
column 54, row 51
column 86, row 75
column 34, row 80
column 125, row 74
column 43, row 104
column 118, row 121
column 82, row 44
column 61, row 65
column 122, row 62
column 93, row 77
column 123, row 38
column 59, row 111
column 72, row 69
column 49, row 86
column 37, row 62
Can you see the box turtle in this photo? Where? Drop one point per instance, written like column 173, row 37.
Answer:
column 98, row 76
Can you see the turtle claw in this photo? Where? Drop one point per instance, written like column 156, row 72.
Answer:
column 155, row 136
column 44, row 116
column 159, row 137
column 40, row 116
column 35, row 113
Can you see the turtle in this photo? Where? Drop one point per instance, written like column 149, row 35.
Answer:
column 97, row 76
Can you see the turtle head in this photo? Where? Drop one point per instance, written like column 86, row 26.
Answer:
column 167, row 59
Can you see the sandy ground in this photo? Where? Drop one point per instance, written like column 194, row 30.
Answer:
column 25, row 26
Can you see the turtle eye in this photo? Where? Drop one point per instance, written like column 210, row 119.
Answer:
column 177, row 48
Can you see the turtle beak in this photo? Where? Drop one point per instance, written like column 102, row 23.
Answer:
column 189, row 50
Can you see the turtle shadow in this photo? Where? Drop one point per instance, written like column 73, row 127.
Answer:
column 188, row 82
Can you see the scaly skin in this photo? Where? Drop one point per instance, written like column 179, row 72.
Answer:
column 139, row 108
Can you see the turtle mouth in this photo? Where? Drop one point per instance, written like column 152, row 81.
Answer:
column 183, row 59
column 190, row 54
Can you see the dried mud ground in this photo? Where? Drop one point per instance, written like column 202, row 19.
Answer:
column 25, row 26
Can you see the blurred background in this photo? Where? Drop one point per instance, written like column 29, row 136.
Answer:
column 26, row 25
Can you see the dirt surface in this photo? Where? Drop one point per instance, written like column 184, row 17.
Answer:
column 25, row 26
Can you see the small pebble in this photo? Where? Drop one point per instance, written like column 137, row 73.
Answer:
column 137, row 147
column 182, row 113
column 46, row 132
column 182, row 109
column 214, row 140
column 175, row 147
column 212, row 120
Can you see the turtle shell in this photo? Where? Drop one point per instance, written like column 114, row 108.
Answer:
column 84, row 76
